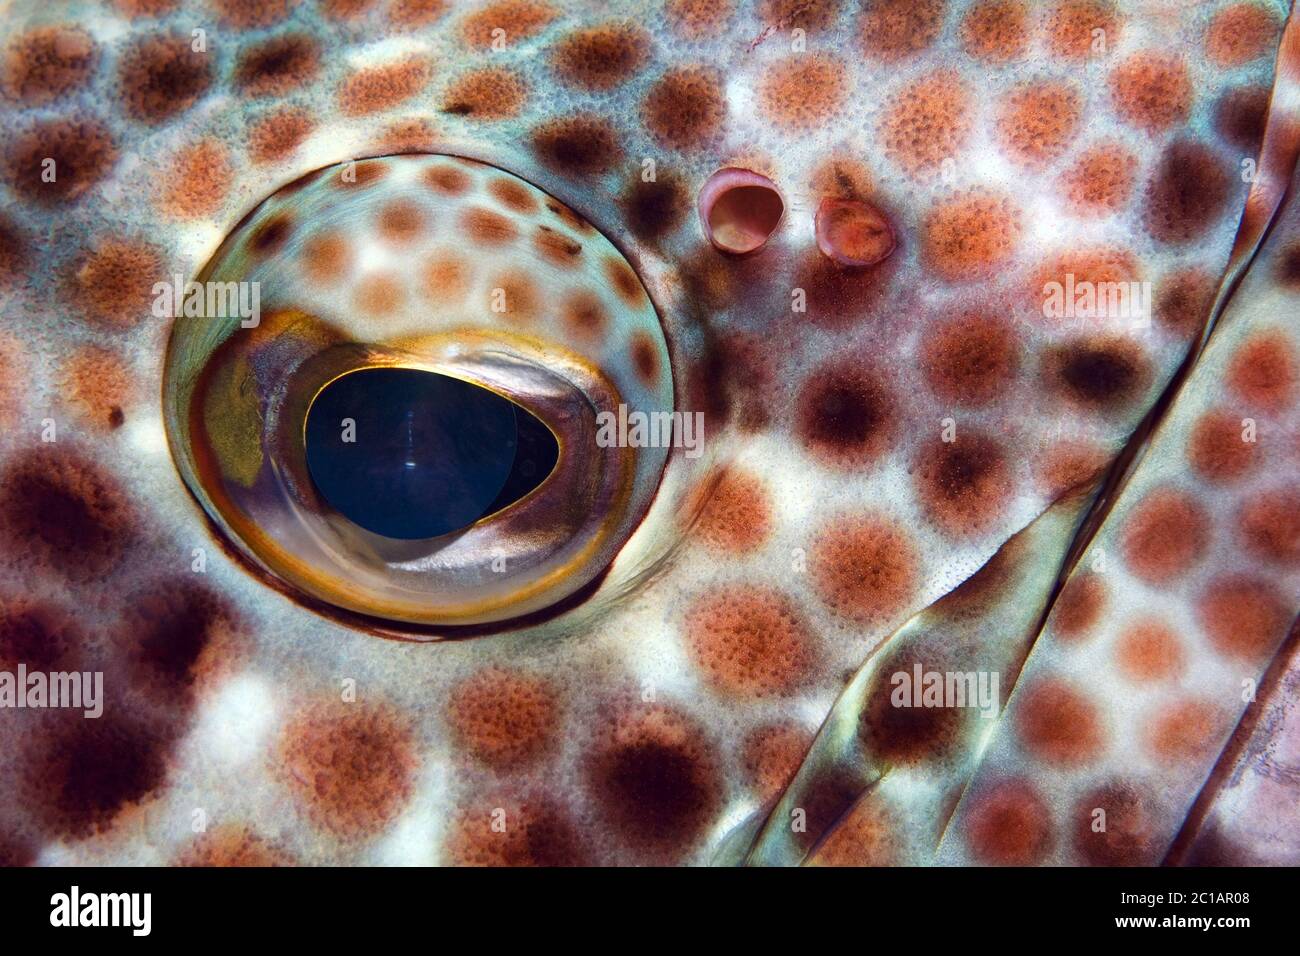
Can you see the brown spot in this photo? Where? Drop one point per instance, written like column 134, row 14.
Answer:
column 376, row 88
column 601, row 57
column 995, row 30
column 803, row 92
column 114, row 282
column 503, row 717
column 160, row 77
column 140, row 9
column 1078, row 607
column 771, row 755
column 1097, row 265
column 1239, row 34
column 1058, row 724
column 447, row 179
column 1152, row 91
column 415, row 13
column 1186, row 731
column 1127, row 835
column 1288, row 267
column 445, row 276
column 1184, row 298
column 1262, row 373
column 1217, row 449
column 584, row 315
column 34, row 634
column 271, row 235
column 13, row 252
column 46, row 63
column 894, row 731
column 1240, row 116
column 272, row 138
column 521, row 300
column 401, row 221
column 81, row 152
column 645, row 359
column 249, row 14
column 654, row 210
column 98, row 384
column 626, row 284
column 970, row 236
column 963, row 485
column 196, row 184
column 1165, row 535
column 533, row 831
column 346, row 9
column 1099, row 373
column 1038, row 121
column 867, row 835
column 1071, row 26
column 735, row 516
column 514, row 195
column 1009, row 824
column 864, row 567
column 233, row 846
column 1148, row 650
column 492, row 93
column 685, row 108
column 750, row 642
column 845, row 415
column 557, row 248
column 580, row 145
column 654, row 778
column 1070, row 464
column 971, row 360
column 325, row 257
column 927, row 122
column 1101, row 179
column 379, row 295
column 891, row 30
column 351, row 767
column 518, row 19
column 698, row 19
column 278, row 65
column 1270, row 525
column 409, row 135
column 1244, row 618
column 1188, row 193
column 171, row 634
column 811, row 16
column 487, row 227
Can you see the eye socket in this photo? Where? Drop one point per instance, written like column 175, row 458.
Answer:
column 407, row 428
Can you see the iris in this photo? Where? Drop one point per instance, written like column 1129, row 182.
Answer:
column 412, row 454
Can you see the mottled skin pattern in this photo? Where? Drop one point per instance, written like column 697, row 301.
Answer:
column 875, row 437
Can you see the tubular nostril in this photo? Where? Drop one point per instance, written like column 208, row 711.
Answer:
column 739, row 210
column 853, row 233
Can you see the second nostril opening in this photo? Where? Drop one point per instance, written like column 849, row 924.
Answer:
column 739, row 210
column 853, row 233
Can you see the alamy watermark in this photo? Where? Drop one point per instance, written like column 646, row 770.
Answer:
column 922, row 688
column 79, row 690
column 638, row 429
column 1085, row 299
column 208, row 300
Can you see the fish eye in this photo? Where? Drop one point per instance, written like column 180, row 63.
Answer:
column 387, row 388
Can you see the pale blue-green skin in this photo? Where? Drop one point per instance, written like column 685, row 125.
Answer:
column 627, row 646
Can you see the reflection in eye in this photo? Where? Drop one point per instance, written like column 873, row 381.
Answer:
column 410, row 454
column 408, row 429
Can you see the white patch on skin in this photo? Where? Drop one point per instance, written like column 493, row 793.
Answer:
column 236, row 720
column 146, row 436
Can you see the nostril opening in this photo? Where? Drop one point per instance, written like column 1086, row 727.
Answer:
column 739, row 210
column 853, row 233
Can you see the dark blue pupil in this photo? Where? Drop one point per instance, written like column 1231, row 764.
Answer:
column 413, row 454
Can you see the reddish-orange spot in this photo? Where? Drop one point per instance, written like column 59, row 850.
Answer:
column 585, row 315
column 970, row 236
column 1038, row 121
column 1165, row 535
column 247, row 14
column 804, row 91
column 1185, row 731
column 46, row 63
column 1219, row 449
column 697, row 19
column 161, row 76
column 401, row 221
column 1152, row 91
column 1270, row 525
column 771, row 755
column 963, row 485
column 325, row 257
column 1058, row 724
column 508, row 831
column 376, row 88
column 1101, row 179
column 1183, row 299
column 1072, row 29
column 645, row 359
column 601, row 57
column 415, row 13
column 1009, row 824
column 1148, row 650
column 1078, row 607
column 487, row 227
column 98, row 384
column 447, row 179
column 445, row 276
column 734, row 515
column 379, row 294
column 750, row 641
column 351, row 766
column 624, row 281
column 685, row 108
column 233, row 846
column 507, row 20
column 557, row 248
column 515, row 296
column 1262, row 373
column 196, row 184
column 114, row 283
column 891, row 30
column 274, row 137
column 995, row 30
column 971, row 360
column 503, row 717
column 865, row 567
column 78, row 150
column 1239, row 34
column 491, row 93
column 1243, row 617
column 927, row 122
column 1125, row 833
